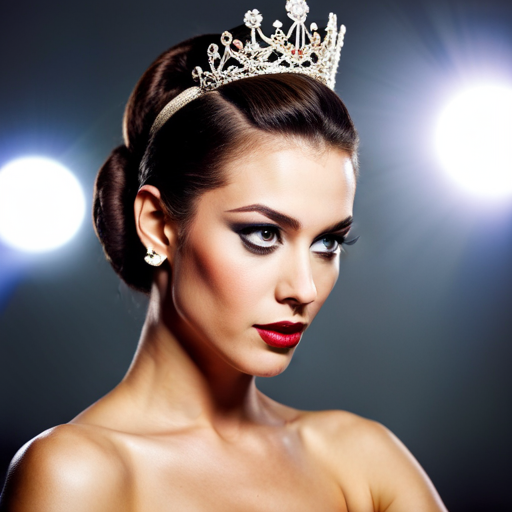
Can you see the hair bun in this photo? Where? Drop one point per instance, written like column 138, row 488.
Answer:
column 114, row 193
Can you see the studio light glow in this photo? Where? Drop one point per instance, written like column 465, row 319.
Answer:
column 474, row 140
column 42, row 204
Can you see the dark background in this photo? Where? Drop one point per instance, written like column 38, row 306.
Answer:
column 418, row 331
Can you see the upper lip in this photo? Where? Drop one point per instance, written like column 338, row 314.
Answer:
column 284, row 327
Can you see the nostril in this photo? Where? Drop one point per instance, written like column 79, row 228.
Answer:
column 301, row 296
column 296, row 284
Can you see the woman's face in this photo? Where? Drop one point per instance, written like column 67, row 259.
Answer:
column 264, row 249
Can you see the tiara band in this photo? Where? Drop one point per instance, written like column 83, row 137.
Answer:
column 307, row 55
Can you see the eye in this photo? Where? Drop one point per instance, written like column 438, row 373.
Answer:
column 260, row 239
column 326, row 245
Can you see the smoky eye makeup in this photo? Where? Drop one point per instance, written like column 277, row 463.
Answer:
column 330, row 244
column 265, row 238
column 259, row 238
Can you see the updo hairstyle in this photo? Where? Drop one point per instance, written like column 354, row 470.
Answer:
column 186, row 156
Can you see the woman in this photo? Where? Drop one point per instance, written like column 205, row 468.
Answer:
column 228, row 205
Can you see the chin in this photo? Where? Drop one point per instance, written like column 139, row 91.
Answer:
column 273, row 363
column 268, row 374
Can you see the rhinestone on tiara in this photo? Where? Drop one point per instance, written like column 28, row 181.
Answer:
column 298, row 51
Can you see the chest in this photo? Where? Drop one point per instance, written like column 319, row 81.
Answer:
column 197, row 475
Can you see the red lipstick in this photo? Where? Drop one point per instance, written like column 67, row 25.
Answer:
column 281, row 334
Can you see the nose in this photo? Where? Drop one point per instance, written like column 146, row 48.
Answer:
column 295, row 283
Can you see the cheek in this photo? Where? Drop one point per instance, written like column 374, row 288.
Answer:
column 215, row 283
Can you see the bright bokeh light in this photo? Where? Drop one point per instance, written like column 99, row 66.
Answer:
column 42, row 204
column 474, row 140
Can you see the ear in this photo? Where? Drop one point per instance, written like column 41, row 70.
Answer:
column 154, row 227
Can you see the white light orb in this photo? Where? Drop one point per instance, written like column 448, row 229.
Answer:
column 42, row 204
column 474, row 140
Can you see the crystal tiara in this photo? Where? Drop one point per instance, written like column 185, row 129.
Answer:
column 298, row 51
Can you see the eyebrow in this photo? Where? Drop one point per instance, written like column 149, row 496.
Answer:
column 343, row 225
column 285, row 220
column 274, row 215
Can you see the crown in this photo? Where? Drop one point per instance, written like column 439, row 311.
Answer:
column 298, row 51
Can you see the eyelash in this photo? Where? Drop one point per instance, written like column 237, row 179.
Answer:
column 256, row 249
column 243, row 231
column 341, row 242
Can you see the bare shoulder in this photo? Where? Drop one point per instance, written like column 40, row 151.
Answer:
column 358, row 448
column 69, row 467
column 344, row 435
column 341, row 429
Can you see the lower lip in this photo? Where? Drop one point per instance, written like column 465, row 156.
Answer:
column 278, row 339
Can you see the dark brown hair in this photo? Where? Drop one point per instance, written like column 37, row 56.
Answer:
column 186, row 156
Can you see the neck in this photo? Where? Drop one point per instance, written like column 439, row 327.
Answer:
column 176, row 377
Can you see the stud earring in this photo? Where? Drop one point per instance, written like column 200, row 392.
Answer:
column 154, row 259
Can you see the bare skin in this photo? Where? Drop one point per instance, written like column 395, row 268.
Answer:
column 187, row 429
